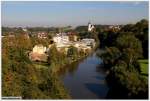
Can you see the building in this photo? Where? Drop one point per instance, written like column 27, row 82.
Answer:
column 89, row 42
column 82, row 46
column 38, row 53
column 63, row 42
column 40, row 49
column 90, row 27
column 61, row 38
column 42, row 35
column 114, row 28
column 72, row 36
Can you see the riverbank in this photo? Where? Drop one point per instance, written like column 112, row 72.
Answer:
column 69, row 64
column 61, row 66
column 69, row 60
column 85, row 76
column 54, row 83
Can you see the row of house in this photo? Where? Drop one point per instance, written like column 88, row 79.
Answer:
column 62, row 42
column 115, row 28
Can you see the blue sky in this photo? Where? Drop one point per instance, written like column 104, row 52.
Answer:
column 50, row 13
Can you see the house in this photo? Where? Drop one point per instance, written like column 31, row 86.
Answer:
column 72, row 36
column 38, row 53
column 42, row 35
column 63, row 42
column 114, row 28
column 89, row 42
column 40, row 49
column 61, row 38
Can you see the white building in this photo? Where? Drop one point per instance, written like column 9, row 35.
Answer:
column 39, row 49
column 38, row 53
column 117, row 27
column 42, row 35
column 62, row 42
column 88, row 41
column 57, row 39
column 61, row 38
column 90, row 27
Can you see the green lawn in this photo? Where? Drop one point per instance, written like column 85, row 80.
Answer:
column 144, row 66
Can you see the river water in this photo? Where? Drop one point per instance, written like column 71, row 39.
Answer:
column 85, row 79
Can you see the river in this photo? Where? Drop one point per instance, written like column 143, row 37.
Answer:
column 85, row 79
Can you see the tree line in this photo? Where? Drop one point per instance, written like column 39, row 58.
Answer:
column 122, row 51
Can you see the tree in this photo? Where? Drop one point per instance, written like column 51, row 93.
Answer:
column 125, row 83
column 53, row 55
column 130, row 47
column 111, row 56
column 140, row 30
column 142, row 35
column 72, row 52
column 124, row 74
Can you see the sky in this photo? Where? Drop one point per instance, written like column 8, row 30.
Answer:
column 65, row 13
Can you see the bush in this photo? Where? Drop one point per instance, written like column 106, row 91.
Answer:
column 131, row 84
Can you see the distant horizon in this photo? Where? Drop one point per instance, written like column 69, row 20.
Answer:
column 69, row 25
column 66, row 13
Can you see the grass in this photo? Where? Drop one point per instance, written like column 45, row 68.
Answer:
column 144, row 66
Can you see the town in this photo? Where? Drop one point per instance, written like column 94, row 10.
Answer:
column 75, row 50
column 61, row 47
column 62, row 40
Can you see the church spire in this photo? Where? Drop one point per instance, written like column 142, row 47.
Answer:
column 90, row 26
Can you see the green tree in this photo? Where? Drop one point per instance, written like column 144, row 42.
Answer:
column 111, row 56
column 53, row 55
column 130, row 47
column 72, row 52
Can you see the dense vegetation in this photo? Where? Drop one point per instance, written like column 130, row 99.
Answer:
column 123, row 49
column 20, row 77
column 31, row 80
column 57, row 59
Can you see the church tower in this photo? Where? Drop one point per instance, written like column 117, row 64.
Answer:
column 90, row 27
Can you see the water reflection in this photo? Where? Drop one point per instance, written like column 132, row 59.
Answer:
column 85, row 79
column 69, row 68
column 96, row 89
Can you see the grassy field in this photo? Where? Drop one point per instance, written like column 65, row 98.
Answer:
column 144, row 66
